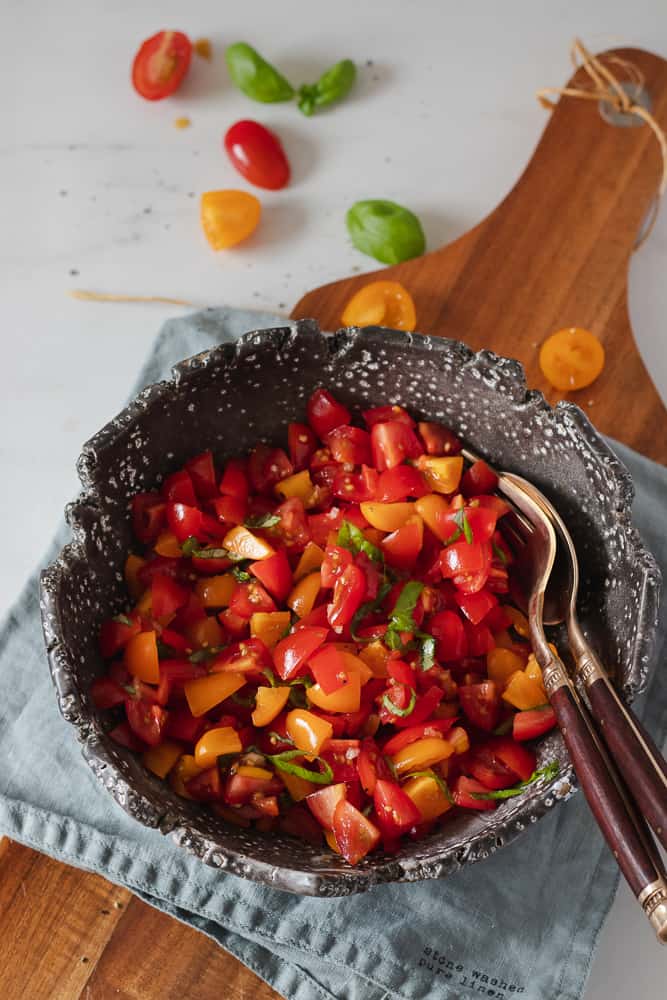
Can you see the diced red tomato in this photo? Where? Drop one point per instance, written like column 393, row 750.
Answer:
column 392, row 443
column 116, row 633
column 519, row 759
column 399, row 483
column 146, row 720
column 402, row 672
column 183, row 726
column 371, row 765
column 348, row 595
column 464, row 792
column 402, row 547
column 206, row 786
column 341, row 756
column 234, row 481
column 275, row 573
column 291, row 653
column 323, row 802
column 230, row 510
column 266, row 467
column 435, row 727
column 463, row 558
column 383, row 414
column 325, row 413
column 350, row 445
column 488, row 769
column 395, row 811
column 124, row 736
column 482, row 522
column 249, row 599
column 302, row 445
column 167, row 596
column 202, row 474
column 449, row 632
column 106, row 693
column 481, row 704
column 438, row 440
column 320, row 526
column 532, row 723
column 335, row 562
column 294, row 527
column 355, row 487
column 479, row 478
column 355, row 834
column 178, row 488
column 327, row 665
column 476, row 606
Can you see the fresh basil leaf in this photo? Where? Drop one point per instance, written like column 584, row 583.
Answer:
column 283, row 761
column 401, row 712
column 352, row 538
column 240, row 574
column 427, row 650
column 270, row 676
column 262, row 521
column 240, row 700
column 190, row 545
column 121, row 620
column 202, row 655
column 549, row 773
column 464, row 525
column 498, row 553
column 401, row 619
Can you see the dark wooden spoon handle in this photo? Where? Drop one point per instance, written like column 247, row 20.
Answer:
column 632, row 850
column 635, row 754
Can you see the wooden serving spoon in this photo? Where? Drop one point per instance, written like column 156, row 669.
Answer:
column 553, row 254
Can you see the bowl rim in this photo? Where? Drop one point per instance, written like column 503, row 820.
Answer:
column 341, row 879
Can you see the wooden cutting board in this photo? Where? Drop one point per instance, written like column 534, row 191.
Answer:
column 555, row 253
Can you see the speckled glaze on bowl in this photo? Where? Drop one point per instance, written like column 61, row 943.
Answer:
column 228, row 398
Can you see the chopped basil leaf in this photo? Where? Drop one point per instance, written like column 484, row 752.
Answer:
column 216, row 554
column 283, row 761
column 275, row 737
column 401, row 619
column 549, row 772
column 392, row 767
column 240, row 700
column 121, row 620
column 262, row 521
column 504, row 727
column 270, row 676
column 440, row 782
column 453, row 538
column 240, row 574
column 401, row 712
column 464, row 525
column 498, row 553
column 189, row 545
column 352, row 538
column 427, row 650
column 202, row 655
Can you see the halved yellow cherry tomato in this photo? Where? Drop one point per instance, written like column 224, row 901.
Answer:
column 386, row 516
column 354, row 664
column 501, row 664
column 428, row 796
column 205, row 633
column 216, row 743
column 215, row 591
column 311, row 559
column 228, row 217
column 443, row 474
column 243, row 543
column 571, row 358
column 269, row 702
column 307, row 731
column 303, row 596
column 168, row 545
column 375, row 655
column 534, row 671
column 161, row 759
column 345, row 699
column 132, row 566
column 141, row 657
column 524, row 692
column 459, row 739
column 381, row 303
column 422, row 754
column 185, row 769
column 299, row 485
column 205, row 693
column 432, row 508
column 269, row 626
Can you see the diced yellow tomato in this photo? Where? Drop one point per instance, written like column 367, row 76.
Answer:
column 144, row 605
column 534, row 671
column 141, row 657
column 375, row 656
column 269, row 702
column 161, row 759
column 297, row 787
column 311, row 559
column 524, row 692
column 132, row 566
column 354, row 664
column 215, row 591
column 345, row 699
column 519, row 621
column 204, row 693
column 184, row 769
column 428, row 796
column 330, row 838
column 243, row 543
column 299, row 485
column 302, row 598
column 307, row 731
column 250, row 771
column 442, row 474
column 421, row 754
column 206, row 633
column 386, row 516
column 168, row 545
column 216, row 743
column 269, row 626
column 432, row 509
column 459, row 739
column 502, row 663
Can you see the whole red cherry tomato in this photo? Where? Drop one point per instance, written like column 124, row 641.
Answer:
column 160, row 64
column 257, row 154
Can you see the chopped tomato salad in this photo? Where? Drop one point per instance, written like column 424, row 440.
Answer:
column 319, row 639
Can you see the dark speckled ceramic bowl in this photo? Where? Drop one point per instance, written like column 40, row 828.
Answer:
column 228, row 398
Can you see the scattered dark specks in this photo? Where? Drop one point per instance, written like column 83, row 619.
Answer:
column 118, row 905
column 63, row 192
column 93, row 197
column 369, row 62
column 148, row 210
column 356, row 268
column 167, row 225
column 105, row 913
column 375, row 78
column 84, row 959
column 282, row 305
column 73, row 272
column 255, row 295
column 191, row 194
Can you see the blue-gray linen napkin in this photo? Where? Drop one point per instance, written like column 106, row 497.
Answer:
column 523, row 922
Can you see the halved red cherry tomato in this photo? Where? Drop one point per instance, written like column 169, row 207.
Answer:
column 302, row 445
column 275, row 573
column 464, row 791
column 250, row 598
column 294, row 527
column 392, row 442
column 476, row 606
column 148, row 516
column 449, row 632
column 230, row 510
column 382, row 414
column 481, row 704
column 396, row 812
column 355, row 834
column 291, row 653
column 532, row 723
column 266, row 467
column 371, row 765
column 349, row 593
column 349, row 444
column 257, row 154
column 438, row 440
column 179, row 488
column 434, row 727
column 521, row 760
column 167, row 596
column 399, row 483
column 402, row 546
column 341, row 756
column 329, row 669
column 482, row 522
column 146, row 720
column 463, row 558
column 355, row 487
column 202, row 474
column 336, row 560
column 485, row 767
column 234, row 481
column 161, row 64
column 325, row 413
column 479, row 478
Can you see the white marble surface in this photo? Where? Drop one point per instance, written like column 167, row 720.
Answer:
column 96, row 181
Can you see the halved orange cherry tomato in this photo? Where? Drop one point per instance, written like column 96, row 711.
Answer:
column 307, row 731
column 345, row 699
column 381, row 303
column 205, row 693
column 571, row 358
column 229, row 217
column 387, row 516
column 160, row 759
column 216, row 743
column 160, row 64
column 243, row 543
column 269, row 703
column 141, row 658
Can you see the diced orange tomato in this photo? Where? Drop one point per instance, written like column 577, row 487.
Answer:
column 427, row 795
column 243, row 543
column 144, row 604
column 299, row 485
column 227, row 218
column 311, row 559
column 375, row 656
column 519, row 621
column 216, row 743
column 307, row 731
column 459, row 739
column 534, row 671
column 502, row 663
column 141, row 657
column 297, row 787
column 443, row 474
column 381, row 303
column 386, row 516
column 345, row 699
column 132, row 566
column 168, row 545
column 571, row 358
column 524, row 692
column 354, row 664
column 269, row 703
column 215, row 591
column 184, row 769
column 270, row 626
column 421, row 754
column 204, row 693
column 251, row 771
column 432, row 508
column 161, row 759
column 302, row 598
column 206, row 633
